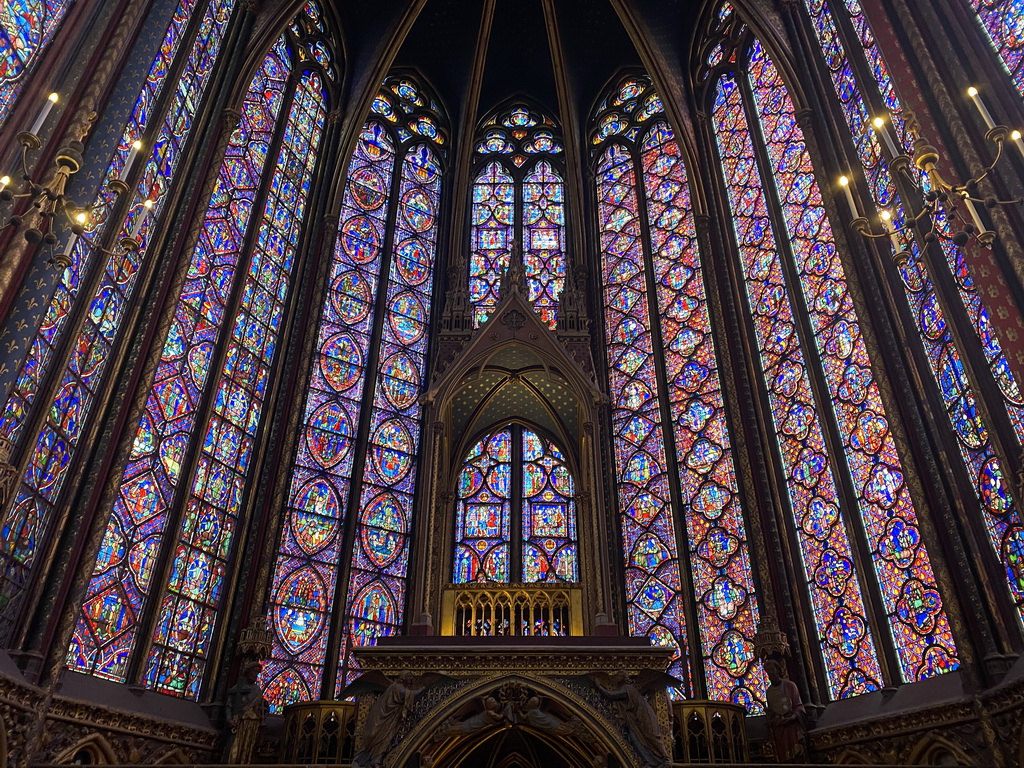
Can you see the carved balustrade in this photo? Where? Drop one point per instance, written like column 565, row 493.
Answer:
column 512, row 610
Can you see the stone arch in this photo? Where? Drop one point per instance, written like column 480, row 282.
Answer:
column 933, row 749
column 175, row 756
column 850, row 756
column 93, row 749
column 600, row 734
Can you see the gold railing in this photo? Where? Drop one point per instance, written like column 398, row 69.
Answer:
column 512, row 610
column 318, row 732
column 708, row 732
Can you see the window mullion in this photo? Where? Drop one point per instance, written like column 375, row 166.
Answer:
column 165, row 560
column 698, row 684
column 516, row 543
column 822, row 396
column 351, row 515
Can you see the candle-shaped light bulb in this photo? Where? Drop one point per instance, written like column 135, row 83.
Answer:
column 976, row 98
column 72, row 242
column 134, row 153
column 886, row 217
column 4, row 181
column 1016, row 136
column 879, row 123
column 844, row 182
column 147, row 206
column 82, row 217
column 43, row 113
column 978, row 226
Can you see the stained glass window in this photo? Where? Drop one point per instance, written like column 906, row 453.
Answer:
column 1001, row 515
column 521, row 531
column 1003, row 21
column 518, row 195
column 882, row 506
column 67, row 410
column 231, row 358
column 361, row 394
column 26, row 28
column 642, row 186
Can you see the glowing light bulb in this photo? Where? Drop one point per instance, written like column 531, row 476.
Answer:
column 878, row 122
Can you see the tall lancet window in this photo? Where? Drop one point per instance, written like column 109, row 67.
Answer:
column 518, row 195
column 1003, row 21
column 843, row 475
column 51, row 403
column 515, row 516
column 938, row 294
column 26, row 28
column 360, row 433
column 152, row 603
column 671, row 436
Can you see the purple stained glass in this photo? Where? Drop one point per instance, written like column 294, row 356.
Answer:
column 653, row 586
column 719, row 556
column 1003, row 21
column 188, row 612
column 868, row 443
column 26, row 28
column 544, row 239
column 306, row 569
column 483, row 512
column 550, row 551
column 49, row 461
column 1002, row 517
column 108, row 626
column 494, row 198
column 377, row 580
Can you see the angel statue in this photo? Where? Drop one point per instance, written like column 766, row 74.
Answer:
column 388, row 711
column 247, row 710
column 636, row 711
column 785, row 714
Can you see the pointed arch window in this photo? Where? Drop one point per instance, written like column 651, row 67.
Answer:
column 1003, row 22
column 838, row 457
column 937, row 294
column 518, row 195
column 671, row 436
column 151, row 605
column 51, row 402
column 360, row 433
column 515, row 512
column 26, row 28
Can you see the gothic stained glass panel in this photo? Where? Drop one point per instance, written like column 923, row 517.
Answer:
column 653, row 586
column 120, row 585
column 900, row 560
column 849, row 653
column 955, row 256
column 1003, row 20
column 189, row 609
column 1002, row 517
column 544, row 239
column 719, row 556
column 494, row 198
column 483, row 511
column 26, row 28
column 377, row 581
column 50, row 459
column 549, row 513
column 306, row 570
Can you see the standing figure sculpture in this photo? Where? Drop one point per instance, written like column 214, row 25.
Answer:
column 385, row 717
column 247, row 710
column 639, row 717
column 785, row 714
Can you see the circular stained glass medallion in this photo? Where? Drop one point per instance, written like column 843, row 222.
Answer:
column 418, row 210
column 329, row 434
column 351, row 297
column 360, row 239
column 368, row 188
column 413, row 262
column 407, row 317
column 341, row 362
column 401, row 379
column 392, row 450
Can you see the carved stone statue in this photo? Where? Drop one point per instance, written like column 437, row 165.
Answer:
column 638, row 715
column 247, row 710
column 491, row 714
column 785, row 714
column 385, row 717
